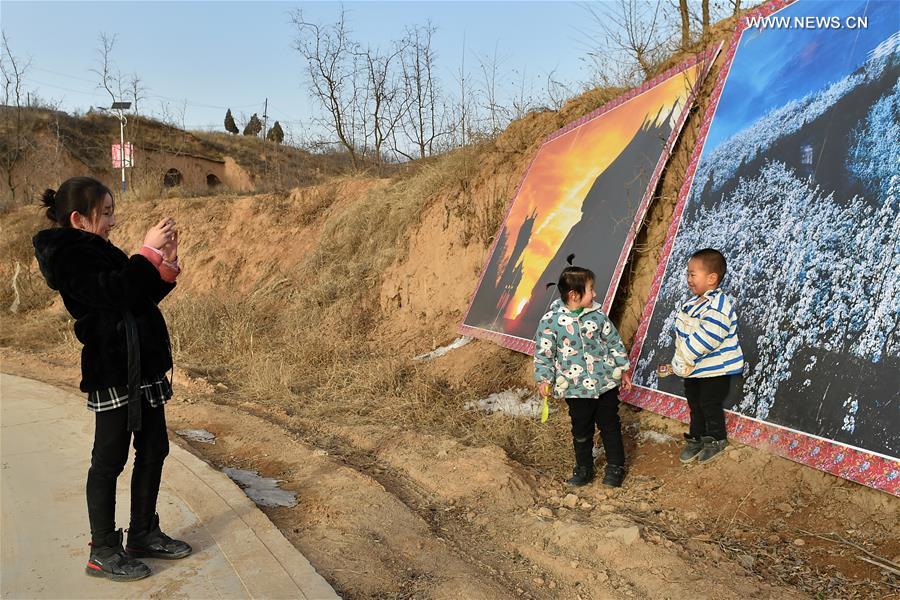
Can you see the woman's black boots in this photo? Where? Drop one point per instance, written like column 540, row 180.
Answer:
column 109, row 559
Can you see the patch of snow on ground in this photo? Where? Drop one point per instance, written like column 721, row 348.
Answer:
column 518, row 402
column 197, row 435
column 439, row 352
column 648, row 435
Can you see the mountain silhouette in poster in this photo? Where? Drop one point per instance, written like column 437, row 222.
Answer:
column 581, row 195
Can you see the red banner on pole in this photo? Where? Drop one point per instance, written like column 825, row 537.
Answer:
column 117, row 155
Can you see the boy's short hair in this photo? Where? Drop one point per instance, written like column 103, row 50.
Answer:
column 574, row 279
column 713, row 260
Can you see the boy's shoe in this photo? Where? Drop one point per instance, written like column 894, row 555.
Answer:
column 153, row 543
column 614, row 476
column 711, row 449
column 581, row 475
column 110, row 560
column 691, row 450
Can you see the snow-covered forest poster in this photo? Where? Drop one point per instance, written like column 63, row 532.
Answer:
column 585, row 193
column 797, row 182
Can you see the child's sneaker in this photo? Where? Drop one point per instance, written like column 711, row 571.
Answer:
column 614, row 476
column 581, row 475
column 691, row 450
column 711, row 449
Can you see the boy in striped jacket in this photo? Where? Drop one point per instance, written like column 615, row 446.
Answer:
column 707, row 355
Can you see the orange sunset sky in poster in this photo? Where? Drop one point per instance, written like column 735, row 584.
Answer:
column 566, row 167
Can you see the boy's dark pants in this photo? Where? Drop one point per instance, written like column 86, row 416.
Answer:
column 111, row 439
column 705, row 397
column 604, row 413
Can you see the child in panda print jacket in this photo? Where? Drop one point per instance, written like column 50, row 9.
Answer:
column 579, row 356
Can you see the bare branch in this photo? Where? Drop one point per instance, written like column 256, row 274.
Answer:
column 491, row 66
column 423, row 120
column 108, row 80
column 557, row 92
column 13, row 71
column 331, row 72
column 635, row 28
column 137, row 91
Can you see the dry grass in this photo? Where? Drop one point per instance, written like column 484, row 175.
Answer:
column 318, row 362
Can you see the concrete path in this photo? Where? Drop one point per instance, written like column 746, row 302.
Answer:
column 45, row 441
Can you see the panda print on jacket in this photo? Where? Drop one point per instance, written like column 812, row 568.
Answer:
column 581, row 355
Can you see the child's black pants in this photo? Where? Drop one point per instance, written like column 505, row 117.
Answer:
column 706, row 397
column 604, row 413
column 110, row 453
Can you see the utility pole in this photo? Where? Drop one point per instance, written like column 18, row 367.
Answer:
column 265, row 117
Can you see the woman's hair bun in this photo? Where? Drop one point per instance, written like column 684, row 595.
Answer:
column 48, row 199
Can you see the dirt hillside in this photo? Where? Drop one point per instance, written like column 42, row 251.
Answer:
column 40, row 148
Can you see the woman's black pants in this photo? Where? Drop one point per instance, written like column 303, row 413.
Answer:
column 108, row 458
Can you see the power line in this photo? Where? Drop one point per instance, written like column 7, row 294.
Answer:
column 155, row 96
column 65, row 89
column 99, row 94
column 289, row 119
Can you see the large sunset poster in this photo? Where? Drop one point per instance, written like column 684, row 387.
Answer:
column 585, row 193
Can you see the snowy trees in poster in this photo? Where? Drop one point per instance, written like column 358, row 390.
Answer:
column 813, row 260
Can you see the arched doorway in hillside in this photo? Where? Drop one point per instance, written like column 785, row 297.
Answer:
column 172, row 178
column 212, row 181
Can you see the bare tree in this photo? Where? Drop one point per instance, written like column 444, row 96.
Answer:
column 331, row 70
column 491, row 65
column 13, row 71
column 424, row 119
column 109, row 81
column 464, row 108
column 386, row 100
column 633, row 27
column 173, row 115
column 137, row 91
column 524, row 100
column 557, row 92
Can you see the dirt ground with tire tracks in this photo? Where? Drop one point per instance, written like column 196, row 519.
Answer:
column 383, row 512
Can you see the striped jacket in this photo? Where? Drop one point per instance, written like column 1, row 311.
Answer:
column 706, row 337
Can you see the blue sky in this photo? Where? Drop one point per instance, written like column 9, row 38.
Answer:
column 774, row 66
column 234, row 54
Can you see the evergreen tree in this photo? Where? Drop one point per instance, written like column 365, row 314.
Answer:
column 230, row 125
column 254, row 126
column 276, row 134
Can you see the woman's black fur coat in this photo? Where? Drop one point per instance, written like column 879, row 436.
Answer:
column 99, row 284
